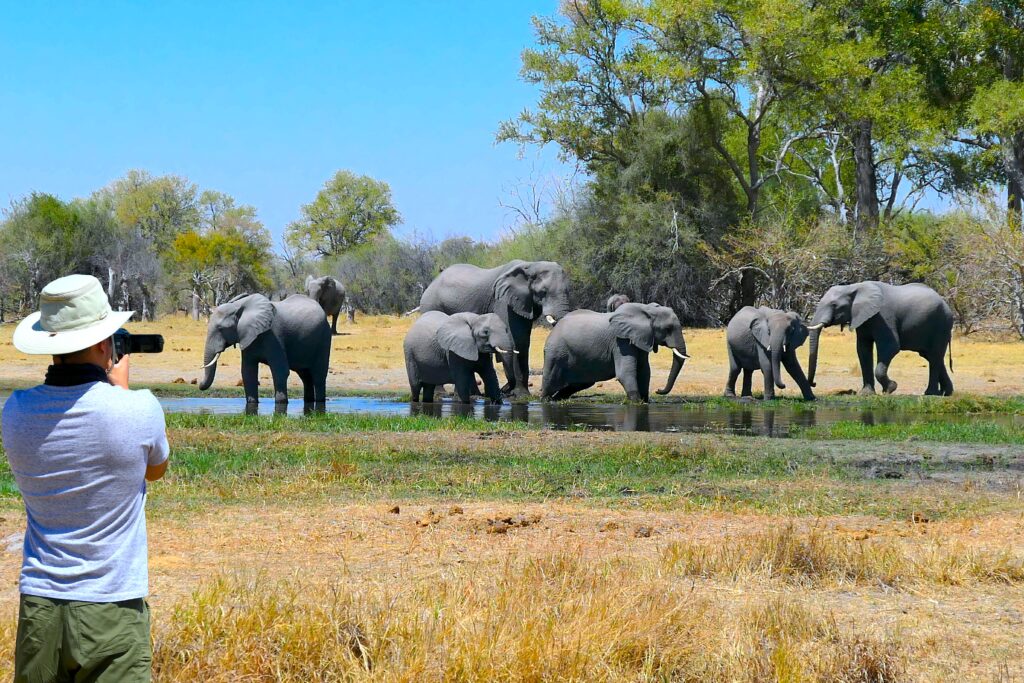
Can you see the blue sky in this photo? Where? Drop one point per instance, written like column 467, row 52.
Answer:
column 266, row 100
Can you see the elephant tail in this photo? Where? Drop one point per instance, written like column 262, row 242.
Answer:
column 951, row 353
column 408, row 313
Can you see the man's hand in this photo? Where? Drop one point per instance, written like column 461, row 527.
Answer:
column 118, row 372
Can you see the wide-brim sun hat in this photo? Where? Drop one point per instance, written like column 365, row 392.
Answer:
column 73, row 315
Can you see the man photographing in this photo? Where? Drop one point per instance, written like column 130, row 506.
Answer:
column 81, row 447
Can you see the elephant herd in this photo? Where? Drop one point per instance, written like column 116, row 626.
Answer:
column 471, row 314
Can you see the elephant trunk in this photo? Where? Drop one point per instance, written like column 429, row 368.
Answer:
column 812, row 363
column 776, row 359
column 678, row 358
column 210, row 358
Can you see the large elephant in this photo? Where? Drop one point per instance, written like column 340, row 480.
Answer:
column 764, row 339
column 330, row 294
column 286, row 335
column 519, row 292
column 588, row 347
column 891, row 318
column 442, row 349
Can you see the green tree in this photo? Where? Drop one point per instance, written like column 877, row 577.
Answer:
column 349, row 211
column 226, row 254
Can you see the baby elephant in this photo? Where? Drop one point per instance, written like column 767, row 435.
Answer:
column 758, row 339
column 444, row 349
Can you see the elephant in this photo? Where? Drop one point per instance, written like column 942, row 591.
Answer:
column 442, row 349
column 614, row 301
column 330, row 294
column 519, row 292
column 761, row 339
column 891, row 318
column 286, row 335
column 588, row 347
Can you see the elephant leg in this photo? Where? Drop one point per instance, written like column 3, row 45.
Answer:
column 866, row 357
column 517, row 366
column 626, row 371
column 334, row 324
column 643, row 377
column 886, row 352
column 414, row 392
column 251, row 380
column 734, row 373
column 428, row 392
column 566, row 392
column 792, row 365
column 279, row 372
column 465, row 385
column 748, row 380
column 933, row 378
column 766, row 372
column 945, row 383
column 492, row 390
column 308, row 394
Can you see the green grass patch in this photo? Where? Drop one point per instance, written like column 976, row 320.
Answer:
column 965, row 404
column 974, row 431
column 701, row 473
column 339, row 422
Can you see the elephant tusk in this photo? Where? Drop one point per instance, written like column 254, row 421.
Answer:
column 212, row 362
column 680, row 354
column 816, row 327
column 501, row 350
column 551, row 319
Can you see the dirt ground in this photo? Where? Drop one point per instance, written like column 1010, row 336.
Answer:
column 366, row 545
column 368, row 356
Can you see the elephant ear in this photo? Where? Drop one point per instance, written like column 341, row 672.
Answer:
column 633, row 322
column 255, row 319
column 867, row 302
column 763, row 335
column 456, row 336
column 513, row 287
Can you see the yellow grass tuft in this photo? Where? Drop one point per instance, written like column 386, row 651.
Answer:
column 818, row 557
column 558, row 618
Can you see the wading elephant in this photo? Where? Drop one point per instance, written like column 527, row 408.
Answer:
column 614, row 301
column 519, row 292
column 330, row 294
column 891, row 318
column 442, row 349
column 286, row 335
column 764, row 339
column 588, row 347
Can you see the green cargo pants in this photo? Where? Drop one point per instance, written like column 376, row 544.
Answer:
column 67, row 640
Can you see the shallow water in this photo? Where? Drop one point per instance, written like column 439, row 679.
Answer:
column 742, row 418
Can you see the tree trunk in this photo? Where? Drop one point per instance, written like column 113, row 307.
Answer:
column 866, row 180
column 1014, row 163
column 195, row 304
column 748, row 288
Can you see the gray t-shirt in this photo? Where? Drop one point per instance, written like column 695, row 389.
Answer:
column 79, row 457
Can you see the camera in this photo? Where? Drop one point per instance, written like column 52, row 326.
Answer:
column 127, row 343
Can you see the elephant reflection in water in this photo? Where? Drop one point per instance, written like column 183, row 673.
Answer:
column 742, row 422
column 617, row 418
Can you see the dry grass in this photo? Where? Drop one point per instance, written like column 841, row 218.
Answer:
column 368, row 356
column 819, row 558
column 552, row 619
